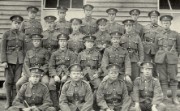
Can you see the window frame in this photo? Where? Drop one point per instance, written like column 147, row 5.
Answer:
column 164, row 11
column 44, row 8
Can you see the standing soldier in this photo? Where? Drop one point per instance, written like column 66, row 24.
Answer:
column 90, row 60
column 35, row 57
column 166, row 58
column 31, row 26
column 33, row 95
column 75, row 42
column 137, row 27
column 58, row 67
column 88, row 23
column 62, row 25
column 112, row 25
column 103, row 37
column 147, row 90
column 149, row 33
column 12, row 57
column 49, row 40
column 132, row 42
column 76, row 94
column 112, row 94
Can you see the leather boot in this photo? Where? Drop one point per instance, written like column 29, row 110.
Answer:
column 164, row 90
column 174, row 95
column 14, row 92
column 8, row 96
column 55, row 99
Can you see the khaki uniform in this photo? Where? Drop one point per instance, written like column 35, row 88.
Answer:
column 30, row 27
column 76, row 96
column 35, row 95
column 63, row 26
column 138, row 28
column 75, row 43
column 113, row 95
column 149, row 33
column 112, row 27
column 90, row 60
column 147, row 92
column 133, row 44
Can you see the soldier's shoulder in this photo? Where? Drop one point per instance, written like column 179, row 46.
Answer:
column 42, row 85
column 25, row 85
column 67, row 83
column 85, row 82
column 138, row 79
column 155, row 79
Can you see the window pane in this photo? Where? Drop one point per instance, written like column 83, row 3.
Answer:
column 77, row 3
column 174, row 4
column 51, row 4
column 64, row 3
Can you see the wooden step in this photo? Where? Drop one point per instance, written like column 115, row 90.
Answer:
column 20, row 3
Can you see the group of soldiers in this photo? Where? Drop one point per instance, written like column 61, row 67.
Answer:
column 88, row 64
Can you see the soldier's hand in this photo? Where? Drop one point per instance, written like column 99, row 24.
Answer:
column 5, row 65
column 56, row 78
column 64, row 78
column 137, row 107
column 128, row 79
column 154, row 108
column 139, row 63
column 105, row 78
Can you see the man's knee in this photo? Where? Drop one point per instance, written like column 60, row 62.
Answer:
column 51, row 109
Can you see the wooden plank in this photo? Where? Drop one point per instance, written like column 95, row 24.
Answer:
column 7, row 16
column 24, row 3
column 12, row 12
column 20, row 7
column 111, row 1
column 23, row 0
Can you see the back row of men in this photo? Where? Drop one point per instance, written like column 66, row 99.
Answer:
column 94, row 44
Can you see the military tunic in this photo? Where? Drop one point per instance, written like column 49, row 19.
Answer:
column 138, row 28
column 75, row 43
column 30, row 27
column 149, row 33
column 76, row 96
column 89, row 26
column 35, row 95
column 49, row 40
column 166, row 58
column 114, row 95
column 63, row 26
column 147, row 92
column 90, row 60
column 133, row 44
column 59, row 62
column 114, row 26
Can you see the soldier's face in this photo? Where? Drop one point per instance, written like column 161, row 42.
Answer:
column 36, row 43
column 75, row 75
column 115, row 40
column 113, row 74
column 15, row 25
column 111, row 16
column 147, row 72
column 62, row 14
column 128, row 27
column 88, row 12
column 166, row 24
column 154, row 19
column 35, row 78
column 102, row 27
column 63, row 43
column 32, row 15
column 135, row 17
column 75, row 27
column 89, row 44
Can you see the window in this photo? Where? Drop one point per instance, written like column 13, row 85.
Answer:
column 65, row 3
column 169, row 4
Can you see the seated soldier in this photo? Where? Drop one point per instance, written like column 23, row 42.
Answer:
column 147, row 91
column 112, row 94
column 76, row 93
column 33, row 95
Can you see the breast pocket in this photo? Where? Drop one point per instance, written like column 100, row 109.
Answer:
column 38, row 99
column 134, row 44
column 11, row 41
column 171, row 41
column 112, row 58
column 121, row 58
column 70, row 96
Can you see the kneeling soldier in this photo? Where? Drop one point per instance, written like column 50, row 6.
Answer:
column 76, row 93
column 112, row 94
column 33, row 95
column 147, row 91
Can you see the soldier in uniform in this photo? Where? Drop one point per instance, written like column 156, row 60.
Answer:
column 112, row 25
column 33, row 95
column 35, row 57
column 62, row 25
column 90, row 60
column 89, row 25
column 12, row 57
column 149, row 33
column 103, row 37
column 58, row 67
column 31, row 26
column 147, row 90
column 132, row 42
column 112, row 94
column 137, row 26
column 166, row 58
column 76, row 94
column 75, row 42
column 49, row 40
